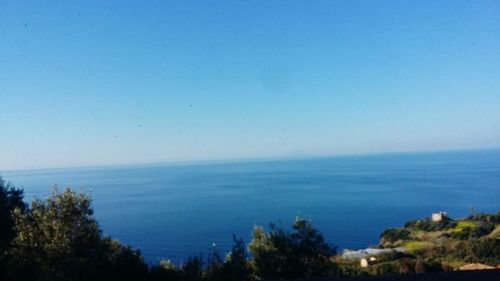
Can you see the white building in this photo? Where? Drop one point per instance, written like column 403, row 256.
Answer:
column 439, row 216
column 366, row 262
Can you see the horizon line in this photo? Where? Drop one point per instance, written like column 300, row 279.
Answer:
column 249, row 159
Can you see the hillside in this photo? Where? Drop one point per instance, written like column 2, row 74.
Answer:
column 425, row 245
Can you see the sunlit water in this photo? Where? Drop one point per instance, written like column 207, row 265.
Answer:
column 173, row 211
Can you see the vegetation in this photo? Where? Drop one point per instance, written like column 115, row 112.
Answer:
column 302, row 252
column 10, row 199
column 446, row 244
column 59, row 239
column 429, row 225
column 392, row 235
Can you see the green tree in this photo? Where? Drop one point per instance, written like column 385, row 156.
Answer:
column 10, row 200
column 392, row 235
column 301, row 252
column 119, row 262
column 164, row 271
column 214, row 270
column 265, row 259
column 236, row 266
column 59, row 239
column 478, row 250
column 192, row 269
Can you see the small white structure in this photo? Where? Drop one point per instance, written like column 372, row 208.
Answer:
column 439, row 216
column 366, row 262
column 364, row 253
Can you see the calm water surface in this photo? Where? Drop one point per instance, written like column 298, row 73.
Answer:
column 173, row 211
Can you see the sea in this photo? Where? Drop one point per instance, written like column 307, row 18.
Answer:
column 174, row 211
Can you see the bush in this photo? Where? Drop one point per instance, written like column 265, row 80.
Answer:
column 236, row 265
column 10, row 199
column 59, row 239
column 383, row 268
column 483, row 229
column 351, row 269
column 192, row 270
column 392, row 235
column 214, row 271
column 429, row 225
column 301, row 252
column 165, row 270
column 493, row 218
column 478, row 250
column 121, row 262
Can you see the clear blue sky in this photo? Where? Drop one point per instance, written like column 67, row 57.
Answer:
column 115, row 82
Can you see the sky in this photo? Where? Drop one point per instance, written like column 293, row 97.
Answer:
column 121, row 82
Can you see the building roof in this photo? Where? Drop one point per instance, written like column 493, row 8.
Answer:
column 475, row 266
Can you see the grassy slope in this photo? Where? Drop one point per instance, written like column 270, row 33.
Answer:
column 463, row 224
column 421, row 239
column 495, row 233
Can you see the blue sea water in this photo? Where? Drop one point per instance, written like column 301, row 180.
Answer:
column 173, row 211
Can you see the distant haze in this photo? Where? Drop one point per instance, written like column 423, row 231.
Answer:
column 99, row 82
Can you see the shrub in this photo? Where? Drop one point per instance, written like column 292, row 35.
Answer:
column 236, row 265
column 429, row 225
column 493, row 218
column 482, row 229
column 214, row 271
column 59, row 239
column 301, row 252
column 383, row 268
column 478, row 250
column 10, row 199
column 192, row 270
column 165, row 270
column 392, row 235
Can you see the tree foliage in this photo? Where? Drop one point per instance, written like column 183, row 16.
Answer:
column 491, row 218
column 392, row 235
column 164, row 270
column 10, row 200
column 429, row 225
column 482, row 229
column 301, row 252
column 59, row 239
column 478, row 250
column 192, row 270
column 236, row 265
